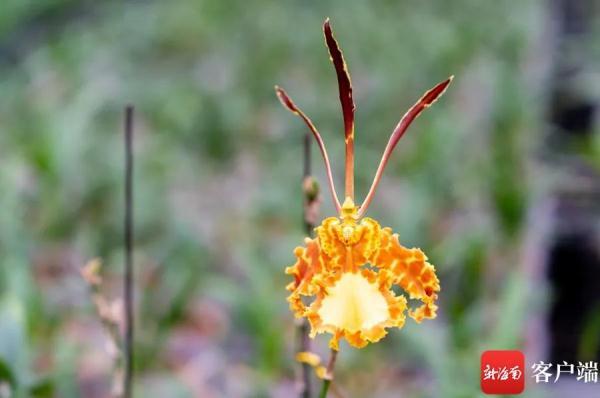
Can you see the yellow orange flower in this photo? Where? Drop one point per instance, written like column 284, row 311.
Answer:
column 350, row 269
column 344, row 278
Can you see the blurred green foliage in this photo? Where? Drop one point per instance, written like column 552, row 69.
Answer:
column 218, row 169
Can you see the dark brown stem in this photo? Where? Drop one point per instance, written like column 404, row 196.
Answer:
column 307, row 159
column 310, row 192
column 128, row 279
column 304, row 345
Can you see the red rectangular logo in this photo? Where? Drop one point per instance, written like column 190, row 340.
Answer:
column 502, row 372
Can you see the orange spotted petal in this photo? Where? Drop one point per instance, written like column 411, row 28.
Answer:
column 412, row 272
column 350, row 270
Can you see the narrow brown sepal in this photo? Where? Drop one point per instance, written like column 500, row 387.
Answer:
column 424, row 102
column 287, row 102
column 343, row 77
column 345, row 90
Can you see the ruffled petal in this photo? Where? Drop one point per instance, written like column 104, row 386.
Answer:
column 411, row 271
column 350, row 299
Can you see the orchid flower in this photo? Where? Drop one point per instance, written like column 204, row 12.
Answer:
column 344, row 277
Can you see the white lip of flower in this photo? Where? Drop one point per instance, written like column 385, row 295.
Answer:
column 354, row 303
column 351, row 279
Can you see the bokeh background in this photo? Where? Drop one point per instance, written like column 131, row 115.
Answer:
column 498, row 183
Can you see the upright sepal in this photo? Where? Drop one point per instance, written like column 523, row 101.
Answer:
column 291, row 106
column 423, row 103
column 345, row 89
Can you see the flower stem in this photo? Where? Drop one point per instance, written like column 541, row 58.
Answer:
column 304, row 346
column 325, row 388
column 128, row 278
column 329, row 375
column 310, row 192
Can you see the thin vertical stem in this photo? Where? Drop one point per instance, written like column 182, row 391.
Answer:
column 307, row 158
column 310, row 198
column 128, row 282
column 329, row 375
column 308, row 191
column 304, row 346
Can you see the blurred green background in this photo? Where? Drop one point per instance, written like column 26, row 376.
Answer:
column 218, row 184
